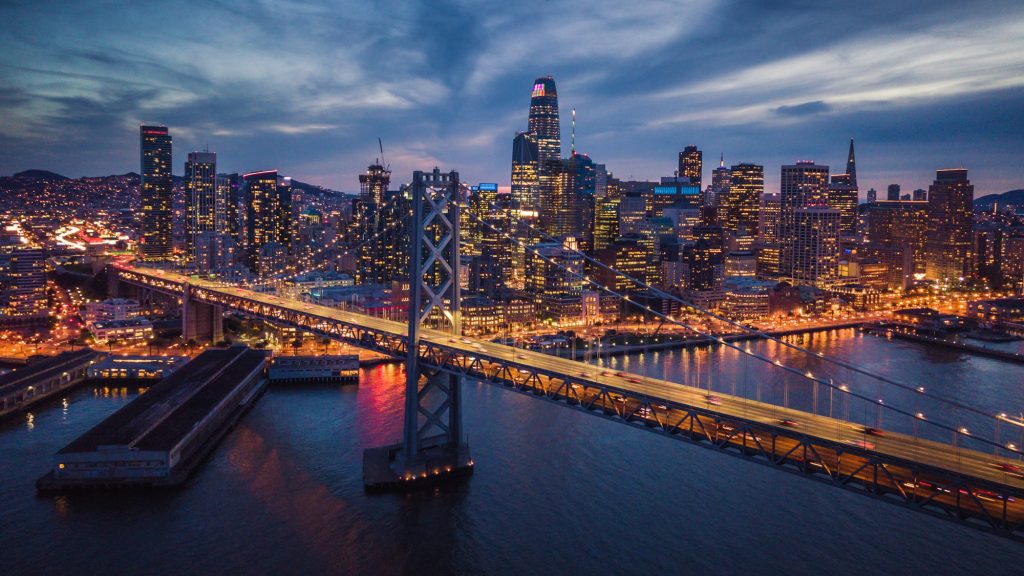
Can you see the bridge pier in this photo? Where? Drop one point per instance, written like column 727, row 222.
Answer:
column 433, row 445
column 201, row 321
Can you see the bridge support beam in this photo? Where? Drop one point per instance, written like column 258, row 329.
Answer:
column 201, row 321
column 433, row 445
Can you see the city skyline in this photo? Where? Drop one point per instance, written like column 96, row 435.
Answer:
column 634, row 113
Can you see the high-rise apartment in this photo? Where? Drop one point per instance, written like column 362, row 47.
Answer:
column 201, row 199
column 157, row 191
column 950, row 219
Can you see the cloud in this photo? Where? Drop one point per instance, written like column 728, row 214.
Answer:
column 805, row 109
column 311, row 84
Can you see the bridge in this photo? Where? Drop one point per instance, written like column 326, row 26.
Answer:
column 952, row 481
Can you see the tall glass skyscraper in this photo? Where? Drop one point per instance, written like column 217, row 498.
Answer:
column 201, row 210
column 545, row 128
column 544, row 124
column 157, row 188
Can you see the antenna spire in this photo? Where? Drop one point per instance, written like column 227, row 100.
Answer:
column 573, row 141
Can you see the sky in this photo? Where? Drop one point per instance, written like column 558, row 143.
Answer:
column 308, row 86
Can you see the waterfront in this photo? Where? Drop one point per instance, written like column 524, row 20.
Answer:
column 555, row 490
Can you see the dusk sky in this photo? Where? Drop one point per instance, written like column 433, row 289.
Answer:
column 307, row 87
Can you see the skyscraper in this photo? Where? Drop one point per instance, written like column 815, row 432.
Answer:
column 893, row 193
column 950, row 219
column 742, row 202
column 543, row 122
column 804, row 184
column 815, row 252
column 851, row 166
column 721, row 178
column 525, row 201
column 157, row 187
column 691, row 164
column 201, row 199
column 843, row 196
column 264, row 209
column 545, row 128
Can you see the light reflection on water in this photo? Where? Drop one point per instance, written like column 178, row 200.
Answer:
column 554, row 491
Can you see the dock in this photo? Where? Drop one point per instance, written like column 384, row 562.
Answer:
column 160, row 438
column 43, row 379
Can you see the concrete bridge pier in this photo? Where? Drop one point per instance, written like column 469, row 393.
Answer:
column 201, row 321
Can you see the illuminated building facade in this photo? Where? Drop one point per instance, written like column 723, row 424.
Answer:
column 627, row 254
column 268, row 213
column 157, row 190
column 815, row 253
column 228, row 217
column 769, row 245
column 24, row 291
column 950, row 221
column 606, row 221
column 201, row 199
column 742, row 203
column 721, row 179
column 691, row 164
column 843, row 196
column 803, row 185
column 545, row 127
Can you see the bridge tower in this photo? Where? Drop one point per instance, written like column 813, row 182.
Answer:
column 433, row 444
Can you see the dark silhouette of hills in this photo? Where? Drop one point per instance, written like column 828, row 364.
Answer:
column 1015, row 197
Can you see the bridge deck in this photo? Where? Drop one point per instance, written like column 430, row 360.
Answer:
column 655, row 402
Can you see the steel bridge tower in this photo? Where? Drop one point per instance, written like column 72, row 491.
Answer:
column 433, row 444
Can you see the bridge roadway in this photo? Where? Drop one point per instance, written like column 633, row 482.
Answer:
column 961, row 484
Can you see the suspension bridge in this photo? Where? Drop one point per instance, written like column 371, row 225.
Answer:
column 975, row 478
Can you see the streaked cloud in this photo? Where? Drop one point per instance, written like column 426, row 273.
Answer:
column 308, row 86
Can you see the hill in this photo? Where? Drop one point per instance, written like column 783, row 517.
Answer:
column 38, row 175
column 1014, row 197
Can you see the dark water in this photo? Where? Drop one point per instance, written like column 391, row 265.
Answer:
column 555, row 491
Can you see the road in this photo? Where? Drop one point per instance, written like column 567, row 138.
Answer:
column 668, row 401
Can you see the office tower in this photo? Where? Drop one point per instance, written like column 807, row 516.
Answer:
column 920, row 195
column 691, row 165
column 893, row 193
column 742, row 202
column 545, row 128
column 842, row 195
column 201, row 199
column 543, row 122
column 950, row 203
column 872, row 195
column 684, row 221
column 769, row 245
column 804, row 184
column 632, row 211
column 815, row 245
column 568, row 210
column 851, row 166
column 553, row 269
column 895, row 233
column 228, row 216
column 606, row 220
column 157, row 191
column 495, row 244
column 524, row 172
column 629, row 256
column 721, row 178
